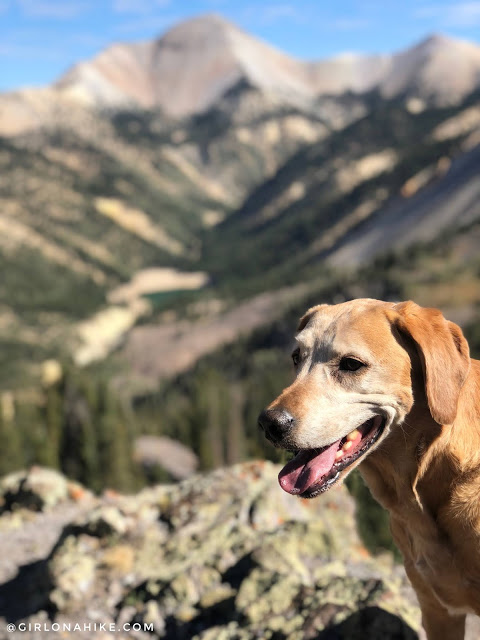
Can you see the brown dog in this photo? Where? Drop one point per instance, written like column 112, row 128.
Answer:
column 391, row 387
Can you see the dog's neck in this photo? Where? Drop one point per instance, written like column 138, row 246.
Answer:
column 465, row 431
column 428, row 477
column 428, row 460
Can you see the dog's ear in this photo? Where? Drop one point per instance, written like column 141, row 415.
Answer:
column 443, row 352
column 304, row 320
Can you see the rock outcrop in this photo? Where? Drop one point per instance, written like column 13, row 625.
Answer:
column 225, row 555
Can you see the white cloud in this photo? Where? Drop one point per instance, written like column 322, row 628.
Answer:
column 268, row 14
column 461, row 14
column 350, row 24
column 145, row 23
column 56, row 9
column 138, row 6
column 273, row 12
column 13, row 51
column 89, row 40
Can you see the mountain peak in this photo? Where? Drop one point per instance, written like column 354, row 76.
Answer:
column 435, row 42
column 436, row 38
column 195, row 31
column 440, row 69
column 187, row 69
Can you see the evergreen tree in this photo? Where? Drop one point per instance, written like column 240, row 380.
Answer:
column 114, row 446
column 78, row 453
column 210, row 417
column 236, row 441
column 11, row 456
column 53, row 417
column 30, row 425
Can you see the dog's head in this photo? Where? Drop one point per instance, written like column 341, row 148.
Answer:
column 357, row 365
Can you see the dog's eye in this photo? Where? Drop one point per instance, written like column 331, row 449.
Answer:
column 296, row 357
column 350, row 364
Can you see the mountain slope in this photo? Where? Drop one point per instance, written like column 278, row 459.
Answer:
column 81, row 213
column 448, row 203
column 332, row 187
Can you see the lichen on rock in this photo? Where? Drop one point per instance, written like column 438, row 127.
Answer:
column 227, row 555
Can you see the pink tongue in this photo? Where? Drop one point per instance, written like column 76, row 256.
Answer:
column 307, row 469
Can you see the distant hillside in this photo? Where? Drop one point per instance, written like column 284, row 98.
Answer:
column 79, row 214
column 92, row 200
column 256, row 195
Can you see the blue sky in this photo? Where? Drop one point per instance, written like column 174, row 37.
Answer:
column 40, row 39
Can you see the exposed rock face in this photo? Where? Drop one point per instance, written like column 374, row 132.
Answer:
column 439, row 69
column 442, row 204
column 195, row 63
column 188, row 69
column 172, row 456
column 225, row 555
column 183, row 72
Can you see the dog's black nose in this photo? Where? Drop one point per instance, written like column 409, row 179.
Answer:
column 276, row 423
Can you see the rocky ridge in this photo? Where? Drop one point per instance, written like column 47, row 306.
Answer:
column 225, row 555
column 195, row 63
column 193, row 66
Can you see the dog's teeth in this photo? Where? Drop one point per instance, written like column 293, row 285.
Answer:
column 339, row 454
column 347, row 445
column 353, row 434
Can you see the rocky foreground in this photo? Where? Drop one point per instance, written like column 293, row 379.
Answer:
column 226, row 555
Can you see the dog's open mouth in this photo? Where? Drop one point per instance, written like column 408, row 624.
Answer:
column 313, row 471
